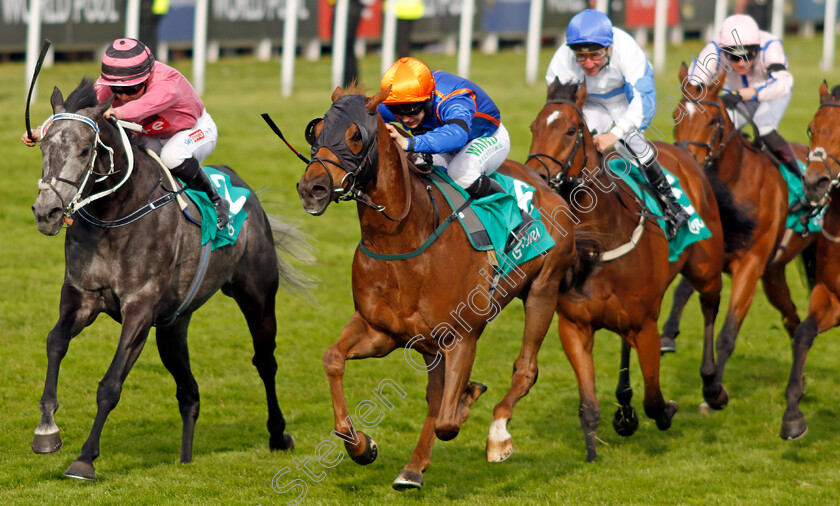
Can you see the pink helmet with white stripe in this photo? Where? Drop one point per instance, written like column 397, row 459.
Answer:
column 739, row 33
column 126, row 62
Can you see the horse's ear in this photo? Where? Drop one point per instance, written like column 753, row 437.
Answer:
column 337, row 93
column 552, row 88
column 825, row 96
column 580, row 95
column 683, row 73
column 373, row 102
column 96, row 111
column 717, row 85
column 56, row 100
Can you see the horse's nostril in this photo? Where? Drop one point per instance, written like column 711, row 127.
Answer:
column 54, row 213
column 319, row 191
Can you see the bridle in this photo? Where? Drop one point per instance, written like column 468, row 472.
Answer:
column 77, row 201
column 819, row 154
column 365, row 161
column 562, row 177
column 717, row 136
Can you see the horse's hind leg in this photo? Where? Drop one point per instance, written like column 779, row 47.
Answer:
column 137, row 320
column 671, row 329
column 625, row 421
column 76, row 312
column 778, row 293
column 172, row 347
column 257, row 304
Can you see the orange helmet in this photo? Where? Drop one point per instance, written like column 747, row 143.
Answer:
column 410, row 81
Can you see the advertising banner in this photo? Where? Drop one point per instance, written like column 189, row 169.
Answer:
column 642, row 13
column 76, row 22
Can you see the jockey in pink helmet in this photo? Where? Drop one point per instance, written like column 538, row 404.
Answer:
column 175, row 123
column 757, row 78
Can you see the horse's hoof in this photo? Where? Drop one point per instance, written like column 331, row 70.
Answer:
column 498, row 451
column 370, row 453
column 625, row 421
column 47, row 443
column 664, row 421
column 667, row 345
column 477, row 388
column 704, row 408
column 717, row 396
column 408, row 479
column 285, row 442
column 794, row 429
column 81, row 470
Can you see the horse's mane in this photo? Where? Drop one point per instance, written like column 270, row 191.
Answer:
column 835, row 92
column 83, row 96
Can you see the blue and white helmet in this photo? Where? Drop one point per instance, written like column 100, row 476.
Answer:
column 589, row 29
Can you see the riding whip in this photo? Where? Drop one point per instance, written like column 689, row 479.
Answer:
column 277, row 131
column 44, row 48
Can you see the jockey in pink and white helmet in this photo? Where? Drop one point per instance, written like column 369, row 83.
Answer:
column 757, row 79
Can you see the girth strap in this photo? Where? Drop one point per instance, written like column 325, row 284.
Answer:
column 196, row 282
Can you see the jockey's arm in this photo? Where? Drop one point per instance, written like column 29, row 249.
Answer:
column 456, row 114
column 779, row 81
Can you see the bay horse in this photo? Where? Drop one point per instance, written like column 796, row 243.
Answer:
column 703, row 128
column 624, row 296
column 820, row 181
column 420, row 293
column 132, row 257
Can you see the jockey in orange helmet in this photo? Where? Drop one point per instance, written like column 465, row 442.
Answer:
column 450, row 118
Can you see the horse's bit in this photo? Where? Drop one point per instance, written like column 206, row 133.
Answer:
column 561, row 176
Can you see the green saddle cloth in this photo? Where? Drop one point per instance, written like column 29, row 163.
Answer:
column 235, row 195
column 805, row 219
column 694, row 230
column 499, row 213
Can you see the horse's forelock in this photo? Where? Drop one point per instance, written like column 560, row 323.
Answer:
column 355, row 89
column 835, row 92
column 83, row 96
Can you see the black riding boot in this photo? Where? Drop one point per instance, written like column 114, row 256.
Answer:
column 677, row 216
column 782, row 150
column 484, row 186
column 190, row 172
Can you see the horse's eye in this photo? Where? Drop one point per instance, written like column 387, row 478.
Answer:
column 810, row 133
column 85, row 152
column 714, row 121
column 571, row 131
column 357, row 136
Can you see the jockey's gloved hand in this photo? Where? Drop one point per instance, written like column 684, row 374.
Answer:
column 730, row 100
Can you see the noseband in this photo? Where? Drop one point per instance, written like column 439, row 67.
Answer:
column 566, row 166
column 77, row 202
column 819, row 154
column 717, row 136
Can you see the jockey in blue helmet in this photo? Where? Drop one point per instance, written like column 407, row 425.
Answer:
column 621, row 96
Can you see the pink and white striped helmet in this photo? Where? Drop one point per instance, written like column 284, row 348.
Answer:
column 126, row 62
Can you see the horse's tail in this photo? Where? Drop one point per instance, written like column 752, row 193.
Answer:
column 291, row 241
column 737, row 221
column 590, row 245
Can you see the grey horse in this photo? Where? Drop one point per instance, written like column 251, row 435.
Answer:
column 129, row 255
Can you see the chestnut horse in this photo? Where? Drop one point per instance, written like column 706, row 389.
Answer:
column 704, row 128
column 625, row 294
column 820, row 181
column 399, row 302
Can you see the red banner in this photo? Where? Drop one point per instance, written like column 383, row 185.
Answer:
column 641, row 13
column 369, row 27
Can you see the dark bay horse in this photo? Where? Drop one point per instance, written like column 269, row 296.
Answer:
column 705, row 129
column 435, row 302
column 624, row 296
column 820, row 181
column 136, row 262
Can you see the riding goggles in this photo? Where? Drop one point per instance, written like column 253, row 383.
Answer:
column 735, row 53
column 128, row 90
column 593, row 56
column 412, row 109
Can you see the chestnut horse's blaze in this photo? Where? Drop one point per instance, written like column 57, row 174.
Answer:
column 354, row 158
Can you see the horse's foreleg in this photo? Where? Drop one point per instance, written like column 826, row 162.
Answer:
column 625, row 421
column 682, row 293
column 358, row 340
column 823, row 314
column 646, row 347
column 412, row 474
column 539, row 310
column 172, row 347
column 577, row 343
column 137, row 320
column 778, row 293
column 76, row 312
column 453, row 410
